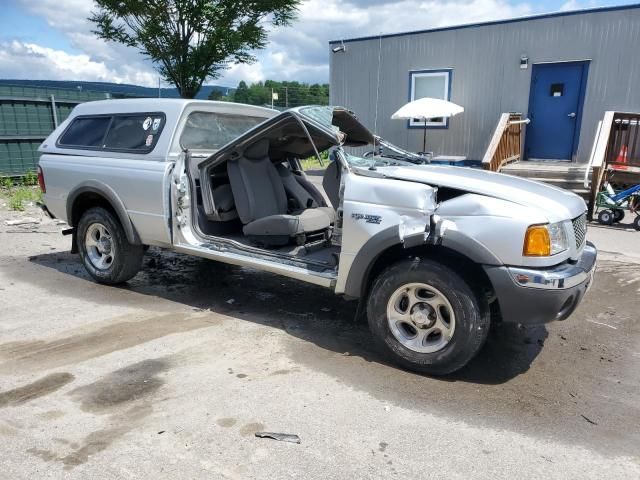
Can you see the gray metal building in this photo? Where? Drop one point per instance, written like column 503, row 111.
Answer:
column 562, row 70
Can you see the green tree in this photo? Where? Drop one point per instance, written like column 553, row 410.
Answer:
column 290, row 94
column 241, row 95
column 190, row 41
column 215, row 94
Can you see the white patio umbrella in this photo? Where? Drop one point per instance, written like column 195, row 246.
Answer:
column 426, row 108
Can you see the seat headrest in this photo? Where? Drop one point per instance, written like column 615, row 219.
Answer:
column 257, row 150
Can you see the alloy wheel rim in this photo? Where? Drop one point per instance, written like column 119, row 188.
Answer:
column 99, row 246
column 421, row 318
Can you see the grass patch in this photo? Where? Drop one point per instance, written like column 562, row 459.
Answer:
column 30, row 178
column 19, row 193
column 312, row 163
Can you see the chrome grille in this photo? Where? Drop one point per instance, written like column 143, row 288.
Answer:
column 580, row 229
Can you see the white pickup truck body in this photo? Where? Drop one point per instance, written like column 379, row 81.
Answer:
column 434, row 253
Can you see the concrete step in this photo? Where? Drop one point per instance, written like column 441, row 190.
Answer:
column 545, row 170
column 546, row 173
column 566, row 183
column 562, row 175
column 583, row 192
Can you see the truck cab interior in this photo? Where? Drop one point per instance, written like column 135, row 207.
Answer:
column 254, row 193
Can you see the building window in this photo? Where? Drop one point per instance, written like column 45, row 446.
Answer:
column 429, row 83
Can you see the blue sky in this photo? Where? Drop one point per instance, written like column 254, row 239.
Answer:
column 51, row 39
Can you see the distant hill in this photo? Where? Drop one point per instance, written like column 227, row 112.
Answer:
column 116, row 89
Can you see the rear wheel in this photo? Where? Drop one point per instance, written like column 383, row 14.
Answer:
column 605, row 217
column 618, row 215
column 105, row 252
column 636, row 223
column 427, row 317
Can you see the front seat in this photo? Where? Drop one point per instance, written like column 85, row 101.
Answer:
column 261, row 201
column 300, row 196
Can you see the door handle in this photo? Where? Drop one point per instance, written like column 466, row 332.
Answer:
column 572, row 115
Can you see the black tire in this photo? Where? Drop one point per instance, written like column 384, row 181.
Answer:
column 126, row 259
column 618, row 215
column 605, row 217
column 471, row 310
column 636, row 223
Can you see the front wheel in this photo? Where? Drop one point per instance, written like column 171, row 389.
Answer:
column 427, row 317
column 105, row 252
column 606, row 217
column 636, row 223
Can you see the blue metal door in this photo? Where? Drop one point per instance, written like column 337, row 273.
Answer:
column 555, row 108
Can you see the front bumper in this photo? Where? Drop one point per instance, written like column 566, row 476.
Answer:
column 541, row 295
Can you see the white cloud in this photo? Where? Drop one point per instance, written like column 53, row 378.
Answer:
column 577, row 5
column 28, row 60
column 248, row 73
column 64, row 15
column 299, row 52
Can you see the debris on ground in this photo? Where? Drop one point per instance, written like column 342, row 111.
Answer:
column 21, row 221
column 589, row 420
column 231, row 301
column 281, row 437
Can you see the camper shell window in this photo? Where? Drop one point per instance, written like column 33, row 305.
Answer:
column 131, row 132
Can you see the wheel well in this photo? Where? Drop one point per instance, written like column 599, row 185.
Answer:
column 469, row 270
column 88, row 200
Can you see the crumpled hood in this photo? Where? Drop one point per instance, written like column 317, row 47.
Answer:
column 555, row 203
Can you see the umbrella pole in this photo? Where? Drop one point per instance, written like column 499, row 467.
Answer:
column 424, row 137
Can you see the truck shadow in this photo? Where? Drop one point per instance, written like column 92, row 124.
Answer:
column 311, row 313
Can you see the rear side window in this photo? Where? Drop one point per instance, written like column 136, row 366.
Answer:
column 133, row 132
column 136, row 132
column 85, row 132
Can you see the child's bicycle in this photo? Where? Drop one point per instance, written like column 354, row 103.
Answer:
column 614, row 204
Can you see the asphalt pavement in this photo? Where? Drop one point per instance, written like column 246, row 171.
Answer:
column 171, row 376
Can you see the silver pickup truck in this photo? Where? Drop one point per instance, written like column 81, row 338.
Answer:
column 434, row 254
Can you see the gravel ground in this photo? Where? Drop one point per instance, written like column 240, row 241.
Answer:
column 171, row 375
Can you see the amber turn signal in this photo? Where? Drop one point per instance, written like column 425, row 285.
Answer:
column 537, row 242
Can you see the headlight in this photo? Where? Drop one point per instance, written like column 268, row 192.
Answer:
column 545, row 240
column 558, row 238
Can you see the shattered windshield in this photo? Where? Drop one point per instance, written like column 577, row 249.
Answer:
column 322, row 115
column 384, row 154
column 378, row 154
column 372, row 162
column 211, row 130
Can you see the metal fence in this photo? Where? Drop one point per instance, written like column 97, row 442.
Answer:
column 27, row 116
